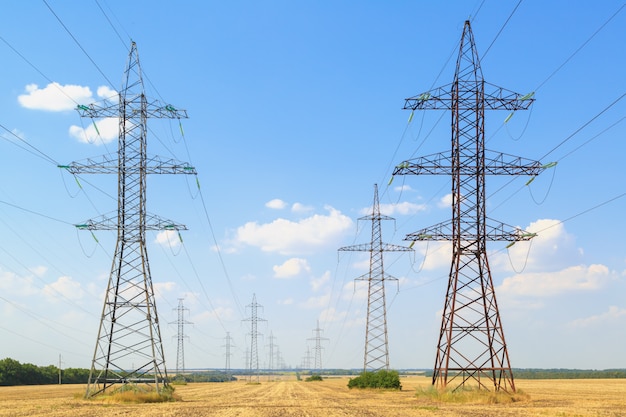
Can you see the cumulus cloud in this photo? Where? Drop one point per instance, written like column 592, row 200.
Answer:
column 276, row 203
column 332, row 315
column 317, row 302
column 300, row 208
column 318, row 283
column 288, row 237
column 99, row 132
column 539, row 284
column 445, row 201
column 168, row 238
column 64, row 287
column 404, row 208
column 552, row 249
column 401, row 188
column 614, row 313
column 54, row 97
column 106, row 93
column 291, row 268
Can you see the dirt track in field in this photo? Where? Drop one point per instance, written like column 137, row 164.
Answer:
column 328, row 398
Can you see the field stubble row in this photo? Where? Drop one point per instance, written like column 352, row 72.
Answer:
column 329, row 398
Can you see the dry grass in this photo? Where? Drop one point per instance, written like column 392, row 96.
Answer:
column 470, row 396
column 329, row 398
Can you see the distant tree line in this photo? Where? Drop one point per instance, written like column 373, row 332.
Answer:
column 14, row 373
column 568, row 373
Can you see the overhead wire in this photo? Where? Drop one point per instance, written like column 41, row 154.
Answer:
column 79, row 44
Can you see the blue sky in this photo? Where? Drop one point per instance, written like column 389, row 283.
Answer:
column 295, row 113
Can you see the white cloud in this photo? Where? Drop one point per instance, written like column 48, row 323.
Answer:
column 98, row 132
column 106, row 93
column 317, row 302
column 553, row 249
column 614, row 313
column 291, row 268
column 401, row 188
column 276, row 203
column 161, row 288
column 287, row 237
column 54, row 97
column 12, row 284
column 301, row 208
column 433, row 255
column 169, row 238
column 540, row 284
column 218, row 314
column 332, row 315
column 445, row 201
column 317, row 283
column 404, row 208
column 64, row 287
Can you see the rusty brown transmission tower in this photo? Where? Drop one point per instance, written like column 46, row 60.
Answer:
column 129, row 348
column 471, row 347
column 376, row 355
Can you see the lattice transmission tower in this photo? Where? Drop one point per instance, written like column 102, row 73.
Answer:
column 317, row 349
column 376, row 356
column 180, row 337
column 471, row 347
column 129, row 349
column 227, row 354
column 253, row 364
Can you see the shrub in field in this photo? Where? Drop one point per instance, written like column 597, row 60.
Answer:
column 314, row 377
column 381, row 379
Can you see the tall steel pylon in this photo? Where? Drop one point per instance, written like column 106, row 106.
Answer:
column 129, row 349
column 180, row 337
column 227, row 355
column 254, row 349
column 471, row 345
column 376, row 356
column 317, row 349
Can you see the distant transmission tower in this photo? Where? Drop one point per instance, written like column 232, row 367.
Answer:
column 471, row 341
column 227, row 355
column 376, row 355
column 129, row 349
column 270, row 366
column 306, row 360
column 317, row 349
column 180, row 337
column 254, row 351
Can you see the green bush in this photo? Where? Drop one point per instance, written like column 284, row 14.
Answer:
column 314, row 377
column 381, row 379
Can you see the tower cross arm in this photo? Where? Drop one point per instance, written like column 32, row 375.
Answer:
column 152, row 222
column 494, row 231
column 108, row 108
column 368, row 247
column 109, row 165
column 494, row 97
column 495, row 163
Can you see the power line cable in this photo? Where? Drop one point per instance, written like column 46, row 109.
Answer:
column 581, row 46
column 79, row 45
column 501, row 29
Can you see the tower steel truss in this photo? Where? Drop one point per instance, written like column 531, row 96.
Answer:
column 376, row 356
column 180, row 338
column 317, row 349
column 129, row 348
column 253, row 359
column 471, row 345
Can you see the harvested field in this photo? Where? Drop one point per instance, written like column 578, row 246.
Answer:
column 329, row 398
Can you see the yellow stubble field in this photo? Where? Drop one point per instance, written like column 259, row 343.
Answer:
column 328, row 398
